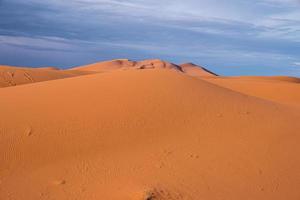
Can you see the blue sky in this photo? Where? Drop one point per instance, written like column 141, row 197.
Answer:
column 230, row 37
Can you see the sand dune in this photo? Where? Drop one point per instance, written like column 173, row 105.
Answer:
column 268, row 78
column 195, row 70
column 106, row 65
column 13, row 76
column 285, row 90
column 126, row 64
column 155, row 133
column 49, row 68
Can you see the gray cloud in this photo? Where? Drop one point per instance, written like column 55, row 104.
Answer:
column 215, row 32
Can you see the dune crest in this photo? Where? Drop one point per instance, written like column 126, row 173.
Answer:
column 258, row 86
column 128, row 64
column 49, row 68
column 187, row 68
column 106, row 65
column 196, row 70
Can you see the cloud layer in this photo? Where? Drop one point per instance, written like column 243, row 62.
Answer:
column 231, row 37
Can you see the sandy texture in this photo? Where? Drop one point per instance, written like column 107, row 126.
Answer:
column 153, row 133
column 13, row 76
column 284, row 90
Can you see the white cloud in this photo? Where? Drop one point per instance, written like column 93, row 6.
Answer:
column 49, row 43
column 296, row 63
column 272, row 18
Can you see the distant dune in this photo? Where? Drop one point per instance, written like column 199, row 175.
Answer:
column 13, row 76
column 148, row 130
column 195, row 70
column 126, row 64
column 285, row 90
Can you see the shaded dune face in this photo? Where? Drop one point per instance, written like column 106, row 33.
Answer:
column 49, row 68
column 154, row 133
column 157, row 64
column 195, row 70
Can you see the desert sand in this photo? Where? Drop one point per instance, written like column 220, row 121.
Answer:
column 149, row 130
column 13, row 76
column 284, row 90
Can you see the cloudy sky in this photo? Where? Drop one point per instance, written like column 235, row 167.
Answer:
column 231, row 37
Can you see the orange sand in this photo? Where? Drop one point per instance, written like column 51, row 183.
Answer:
column 12, row 76
column 284, row 90
column 148, row 131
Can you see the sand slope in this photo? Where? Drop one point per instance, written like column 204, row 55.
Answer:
column 269, row 78
column 195, row 70
column 154, row 134
column 13, row 76
column 285, row 90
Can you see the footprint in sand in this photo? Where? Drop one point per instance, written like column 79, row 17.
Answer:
column 59, row 182
column 219, row 115
column 244, row 112
column 29, row 131
column 194, row 156
column 157, row 194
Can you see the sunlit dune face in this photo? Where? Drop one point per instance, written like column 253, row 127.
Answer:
column 148, row 130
